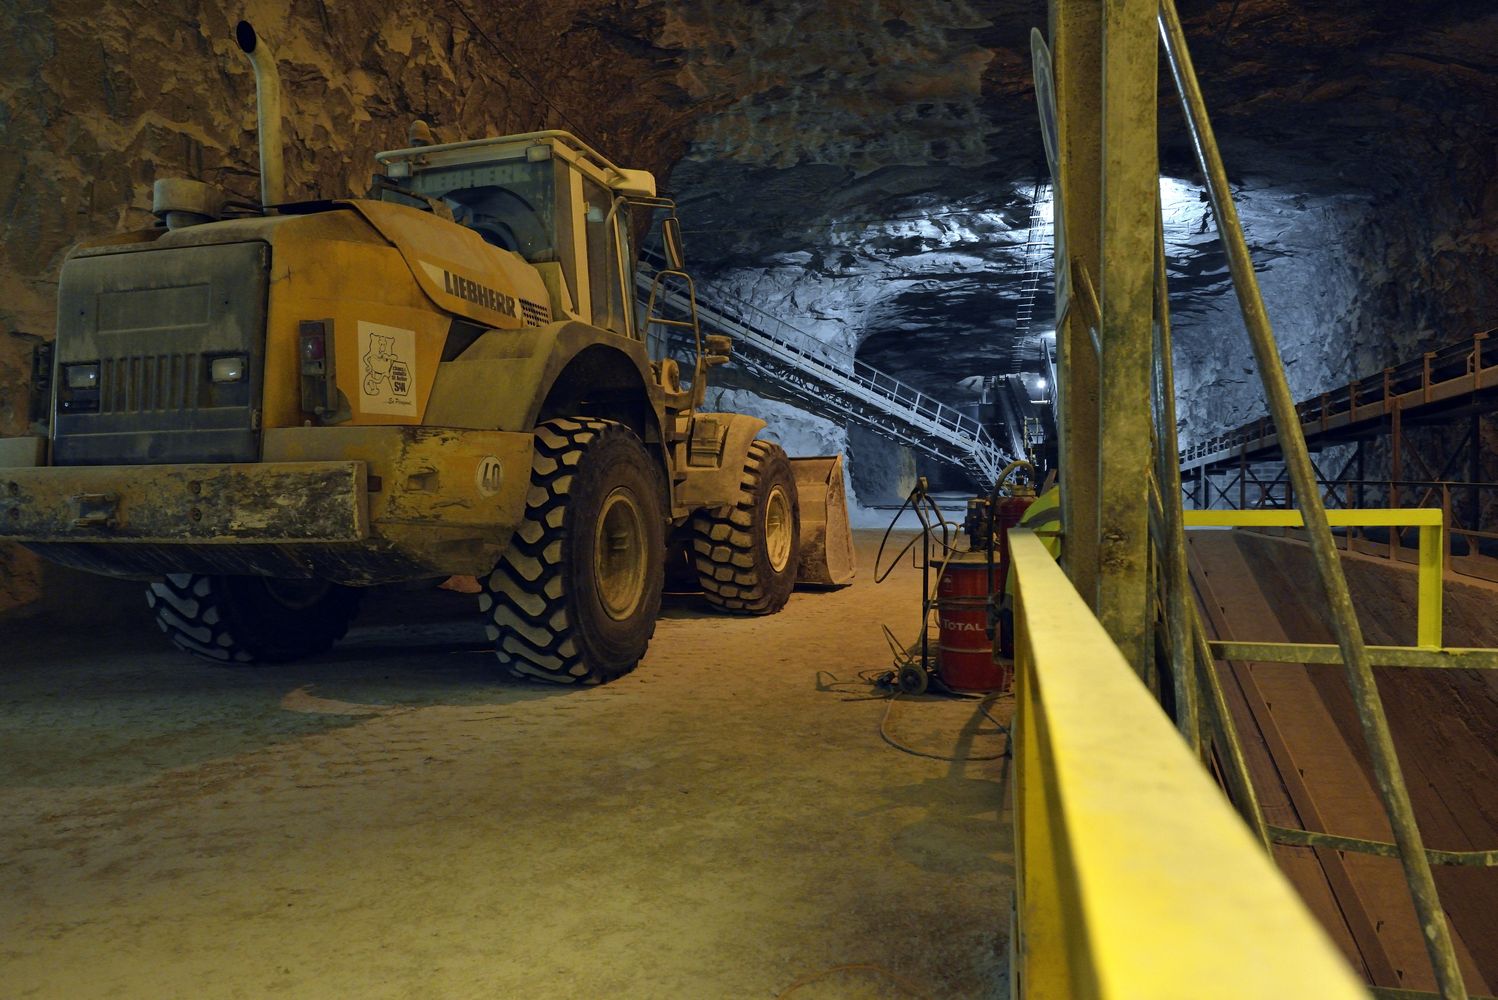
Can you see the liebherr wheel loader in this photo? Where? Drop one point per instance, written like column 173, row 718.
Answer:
column 263, row 414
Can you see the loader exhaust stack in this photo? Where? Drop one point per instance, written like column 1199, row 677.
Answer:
column 268, row 114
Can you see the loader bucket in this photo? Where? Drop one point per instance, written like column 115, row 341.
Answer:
column 826, row 540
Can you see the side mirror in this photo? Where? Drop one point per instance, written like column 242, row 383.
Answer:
column 676, row 258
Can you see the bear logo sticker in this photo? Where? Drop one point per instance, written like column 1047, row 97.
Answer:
column 388, row 356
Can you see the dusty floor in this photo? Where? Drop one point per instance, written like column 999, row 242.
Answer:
column 393, row 819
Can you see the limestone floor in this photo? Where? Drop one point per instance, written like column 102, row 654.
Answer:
column 395, row 820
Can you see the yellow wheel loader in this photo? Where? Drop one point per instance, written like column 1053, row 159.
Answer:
column 263, row 409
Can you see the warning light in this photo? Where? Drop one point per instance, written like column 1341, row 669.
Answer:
column 314, row 345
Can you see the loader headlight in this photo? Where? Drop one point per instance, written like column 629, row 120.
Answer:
column 81, row 376
column 229, row 369
column 78, row 388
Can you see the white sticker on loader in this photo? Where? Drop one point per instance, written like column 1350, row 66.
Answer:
column 387, row 355
column 489, row 476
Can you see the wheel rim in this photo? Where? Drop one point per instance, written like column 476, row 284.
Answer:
column 619, row 557
column 778, row 529
column 297, row 595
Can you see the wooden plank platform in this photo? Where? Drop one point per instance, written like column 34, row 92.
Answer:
column 1306, row 754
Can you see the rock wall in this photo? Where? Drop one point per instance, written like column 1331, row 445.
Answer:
column 885, row 153
column 882, row 471
column 100, row 98
column 1352, row 282
column 1362, row 142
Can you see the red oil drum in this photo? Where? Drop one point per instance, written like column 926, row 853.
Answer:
column 964, row 653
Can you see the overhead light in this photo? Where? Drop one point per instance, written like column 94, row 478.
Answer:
column 1041, row 384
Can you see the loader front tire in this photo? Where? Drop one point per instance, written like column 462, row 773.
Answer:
column 251, row 619
column 747, row 554
column 575, row 596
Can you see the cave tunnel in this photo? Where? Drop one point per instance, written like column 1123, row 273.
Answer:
column 866, row 208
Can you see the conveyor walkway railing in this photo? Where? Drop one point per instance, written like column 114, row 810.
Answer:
column 1133, row 875
column 835, row 383
column 1447, row 378
column 1366, row 452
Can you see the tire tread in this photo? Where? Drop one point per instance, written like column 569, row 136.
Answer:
column 528, row 618
column 198, row 614
column 723, row 544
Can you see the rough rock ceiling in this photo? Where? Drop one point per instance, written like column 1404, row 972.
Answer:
column 867, row 168
column 864, row 167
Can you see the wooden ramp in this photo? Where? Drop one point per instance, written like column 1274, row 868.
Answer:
column 1305, row 749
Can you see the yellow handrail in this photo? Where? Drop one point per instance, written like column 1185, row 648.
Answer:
column 1429, row 520
column 1134, row 877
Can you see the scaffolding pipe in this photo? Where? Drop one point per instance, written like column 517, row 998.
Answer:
column 1169, row 476
column 1225, row 734
column 1375, row 724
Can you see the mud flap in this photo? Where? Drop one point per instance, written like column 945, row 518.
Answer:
column 826, row 539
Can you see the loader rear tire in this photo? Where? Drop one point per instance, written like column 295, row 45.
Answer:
column 251, row 619
column 747, row 554
column 575, row 596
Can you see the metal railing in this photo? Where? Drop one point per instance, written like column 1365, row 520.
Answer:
column 1430, row 523
column 1469, row 545
column 1134, row 877
column 1456, row 368
column 1290, row 431
column 1038, row 258
column 1428, row 652
column 829, row 378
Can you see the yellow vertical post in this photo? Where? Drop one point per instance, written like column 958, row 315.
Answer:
column 1429, row 610
column 1130, row 189
column 1076, row 43
column 1446, row 520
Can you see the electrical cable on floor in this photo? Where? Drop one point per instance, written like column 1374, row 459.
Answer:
column 886, row 737
column 983, row 707
column 872, row 680
column 868, row 679
column 812, row 977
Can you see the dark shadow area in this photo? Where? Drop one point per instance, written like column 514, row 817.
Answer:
column 685, row 604
column 119, row 704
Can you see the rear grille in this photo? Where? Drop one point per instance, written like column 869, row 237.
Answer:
column 145, row 382
column 154, row 319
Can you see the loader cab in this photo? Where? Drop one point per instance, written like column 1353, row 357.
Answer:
column 548, row 197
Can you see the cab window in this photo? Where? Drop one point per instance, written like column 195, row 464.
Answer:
column 606, row 289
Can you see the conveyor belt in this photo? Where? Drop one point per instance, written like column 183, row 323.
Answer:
column 1305, row 752
column 835, row 383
